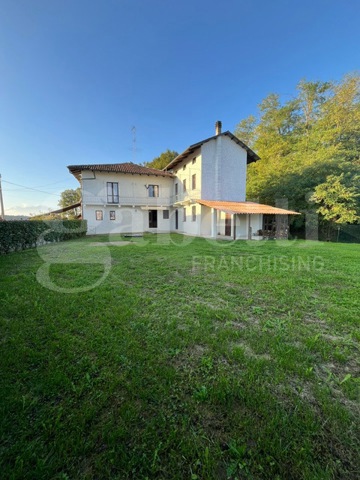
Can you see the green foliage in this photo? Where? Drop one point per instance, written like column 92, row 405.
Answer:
column 19, row 235
column 304, row 140
column 246, row 130
column 68, row 197
column 337, row 202
column 162, row 160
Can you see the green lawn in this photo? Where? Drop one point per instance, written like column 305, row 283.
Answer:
column 190, row 359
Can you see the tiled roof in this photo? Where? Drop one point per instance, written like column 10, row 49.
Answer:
column 131, row 168
column 251, row 208
column 251, row 155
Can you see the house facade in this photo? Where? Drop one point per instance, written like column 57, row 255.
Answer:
column 201, row 192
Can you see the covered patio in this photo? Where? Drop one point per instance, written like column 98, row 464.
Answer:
column 245, row 220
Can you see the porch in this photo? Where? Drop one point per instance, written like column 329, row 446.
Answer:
column 246, row 220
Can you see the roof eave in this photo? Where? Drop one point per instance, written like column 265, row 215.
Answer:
column 76, row 171
column 258, row 208
column 251, row 155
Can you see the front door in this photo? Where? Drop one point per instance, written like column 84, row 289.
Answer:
column 228, row 224
column 176, row 219
column 152, row 218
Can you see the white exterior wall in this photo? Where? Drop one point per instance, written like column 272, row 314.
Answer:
column 232, row 171
column 191, row 227
column 132, row 190
column 131, row 213
column 221, row 223
column 242, row 225
column 127, row 220
column 256, row 223
column 205, row 221
column 208, row 171
column 186, row 174
column 220, row 168
column 184, row 171
column 223, row 157
column 241, row 222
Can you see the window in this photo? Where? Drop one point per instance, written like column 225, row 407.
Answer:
column 176, row 188
column 193, row 213
column 98, row 214
column 194, row 160
column 184, row 167
column 112, row 214
column 166, row 214
column 193, row 181
column 268, row 222
column 112, row 192
column 184, row 215
column 184, row 185
column 153, row 190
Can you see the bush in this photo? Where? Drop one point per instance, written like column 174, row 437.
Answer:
column 19, row 235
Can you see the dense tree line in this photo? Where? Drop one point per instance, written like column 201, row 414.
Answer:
column 310, row 150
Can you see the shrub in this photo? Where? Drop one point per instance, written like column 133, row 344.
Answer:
column 19, row 235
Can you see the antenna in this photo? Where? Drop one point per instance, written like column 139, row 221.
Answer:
column 2, row 213
column 133, row 130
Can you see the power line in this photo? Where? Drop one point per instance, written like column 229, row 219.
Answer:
column 30, row 188
column 53, row 183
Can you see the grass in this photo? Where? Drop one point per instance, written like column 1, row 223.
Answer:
column 190, row 359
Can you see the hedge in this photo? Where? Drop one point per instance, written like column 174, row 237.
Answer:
column 19, row 235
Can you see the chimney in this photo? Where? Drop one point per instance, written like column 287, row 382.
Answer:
column 218, row 127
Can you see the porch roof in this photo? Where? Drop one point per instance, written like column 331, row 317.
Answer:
column 250, row 208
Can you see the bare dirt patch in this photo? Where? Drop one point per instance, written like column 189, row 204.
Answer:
column 250, row 353
column 111, row 244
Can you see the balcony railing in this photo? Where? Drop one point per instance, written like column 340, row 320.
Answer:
column 139, row 201
column 184, row 197
column 181, row 198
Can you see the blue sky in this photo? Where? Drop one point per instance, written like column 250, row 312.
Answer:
column 77, row 75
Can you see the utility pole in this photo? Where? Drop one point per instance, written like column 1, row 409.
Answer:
column 2, row 213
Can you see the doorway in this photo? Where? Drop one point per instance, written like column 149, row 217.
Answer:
column 153, row 218
column 176, row 219
column 228, row 224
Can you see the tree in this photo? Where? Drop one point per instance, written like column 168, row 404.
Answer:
column 337, row 201
column 246, row 130
column 162, row 160
column 304, row 140
column 70, row 197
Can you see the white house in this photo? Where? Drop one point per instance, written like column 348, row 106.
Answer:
column 201, row 192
